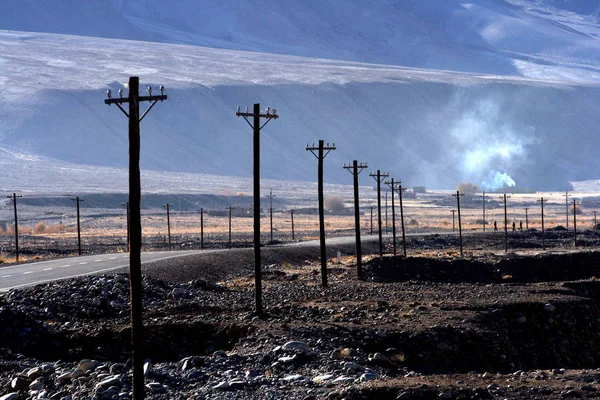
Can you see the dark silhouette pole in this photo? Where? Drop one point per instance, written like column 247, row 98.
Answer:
column 457, row 195
column 391, row 184
column 355, row 169
column 168, row 208
column 567, row 208
column 526, row 218
column 400, row 190
column 135, row 264
column 575, row 222
column 230, row 208
column 321, row 152
column 386, row 211
column 542, row 201
column 292, row 216
column 14, row 197
column 379, row 177
column 77, row 200
column 256, row 115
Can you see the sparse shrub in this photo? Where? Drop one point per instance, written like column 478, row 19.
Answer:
column 467, row 187
column 39, row 228
column 334, row 204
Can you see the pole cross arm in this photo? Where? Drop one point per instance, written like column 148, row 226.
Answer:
column 121, row 100
column 355, row 170
column 267, row 115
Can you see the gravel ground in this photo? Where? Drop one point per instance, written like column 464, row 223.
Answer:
column 445, row 327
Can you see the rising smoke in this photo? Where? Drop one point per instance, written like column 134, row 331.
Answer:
column 488, row 145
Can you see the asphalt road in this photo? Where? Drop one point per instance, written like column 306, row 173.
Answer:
column 46, row 271
column 29, row 274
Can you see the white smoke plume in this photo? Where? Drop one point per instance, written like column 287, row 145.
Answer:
column 486, row 141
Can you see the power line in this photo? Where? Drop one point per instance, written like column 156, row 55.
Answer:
column 256, row 115
column 355, row 169
column 14, row 197
column 135, row 264
column 379, row 177
column 78, row 200
column 320, row 152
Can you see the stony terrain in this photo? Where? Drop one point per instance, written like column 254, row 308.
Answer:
column 488, row 325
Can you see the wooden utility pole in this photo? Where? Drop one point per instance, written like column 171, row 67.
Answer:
column 575, row 222
column 14, row 197
column 168, row 208
column 126, row 205
column 391, row 183
column 457, row 195
column 230, row 208
column 504, row 199
column 135, row 265
column 77, row 200
column 526, row 218
column 355, row 169
column 379, row 177
column 567, row 208
column 400, row 190
column 201, row 228
column 320, row 153
column 386, row 211
column 256, row 115
column 292, row 216
column 542, row 200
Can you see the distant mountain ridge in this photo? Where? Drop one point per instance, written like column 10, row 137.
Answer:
column 435, row 92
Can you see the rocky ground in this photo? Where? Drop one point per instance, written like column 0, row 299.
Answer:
column 488, row 325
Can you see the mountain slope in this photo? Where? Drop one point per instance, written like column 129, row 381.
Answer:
column 533, row 119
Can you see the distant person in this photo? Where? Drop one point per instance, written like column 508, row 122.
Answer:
column 495, row 227
column 514, row 226
column 521, row 226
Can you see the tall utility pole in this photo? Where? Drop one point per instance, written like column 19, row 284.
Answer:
column 321, row 152
column 271, row 211
column 504, row 199
column 230, row 208
column 567, row 208
column 453, row 224
column 595, row 224
column 77, row 200
column 391, row 183
column 135, row 265
column 201, row 228
column 575, row 221
column 126, row 205
column 484, row 210
column 400, row 190
column 457, row 195
column 14, row 197
column 379, row 177
column 526, row 218
column 356, row 169
column 168, row 208
column 542, row 200
column 256, row 115
column 292, row 216
column 386, row 211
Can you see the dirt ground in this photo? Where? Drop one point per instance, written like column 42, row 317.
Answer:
column 489, row 324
